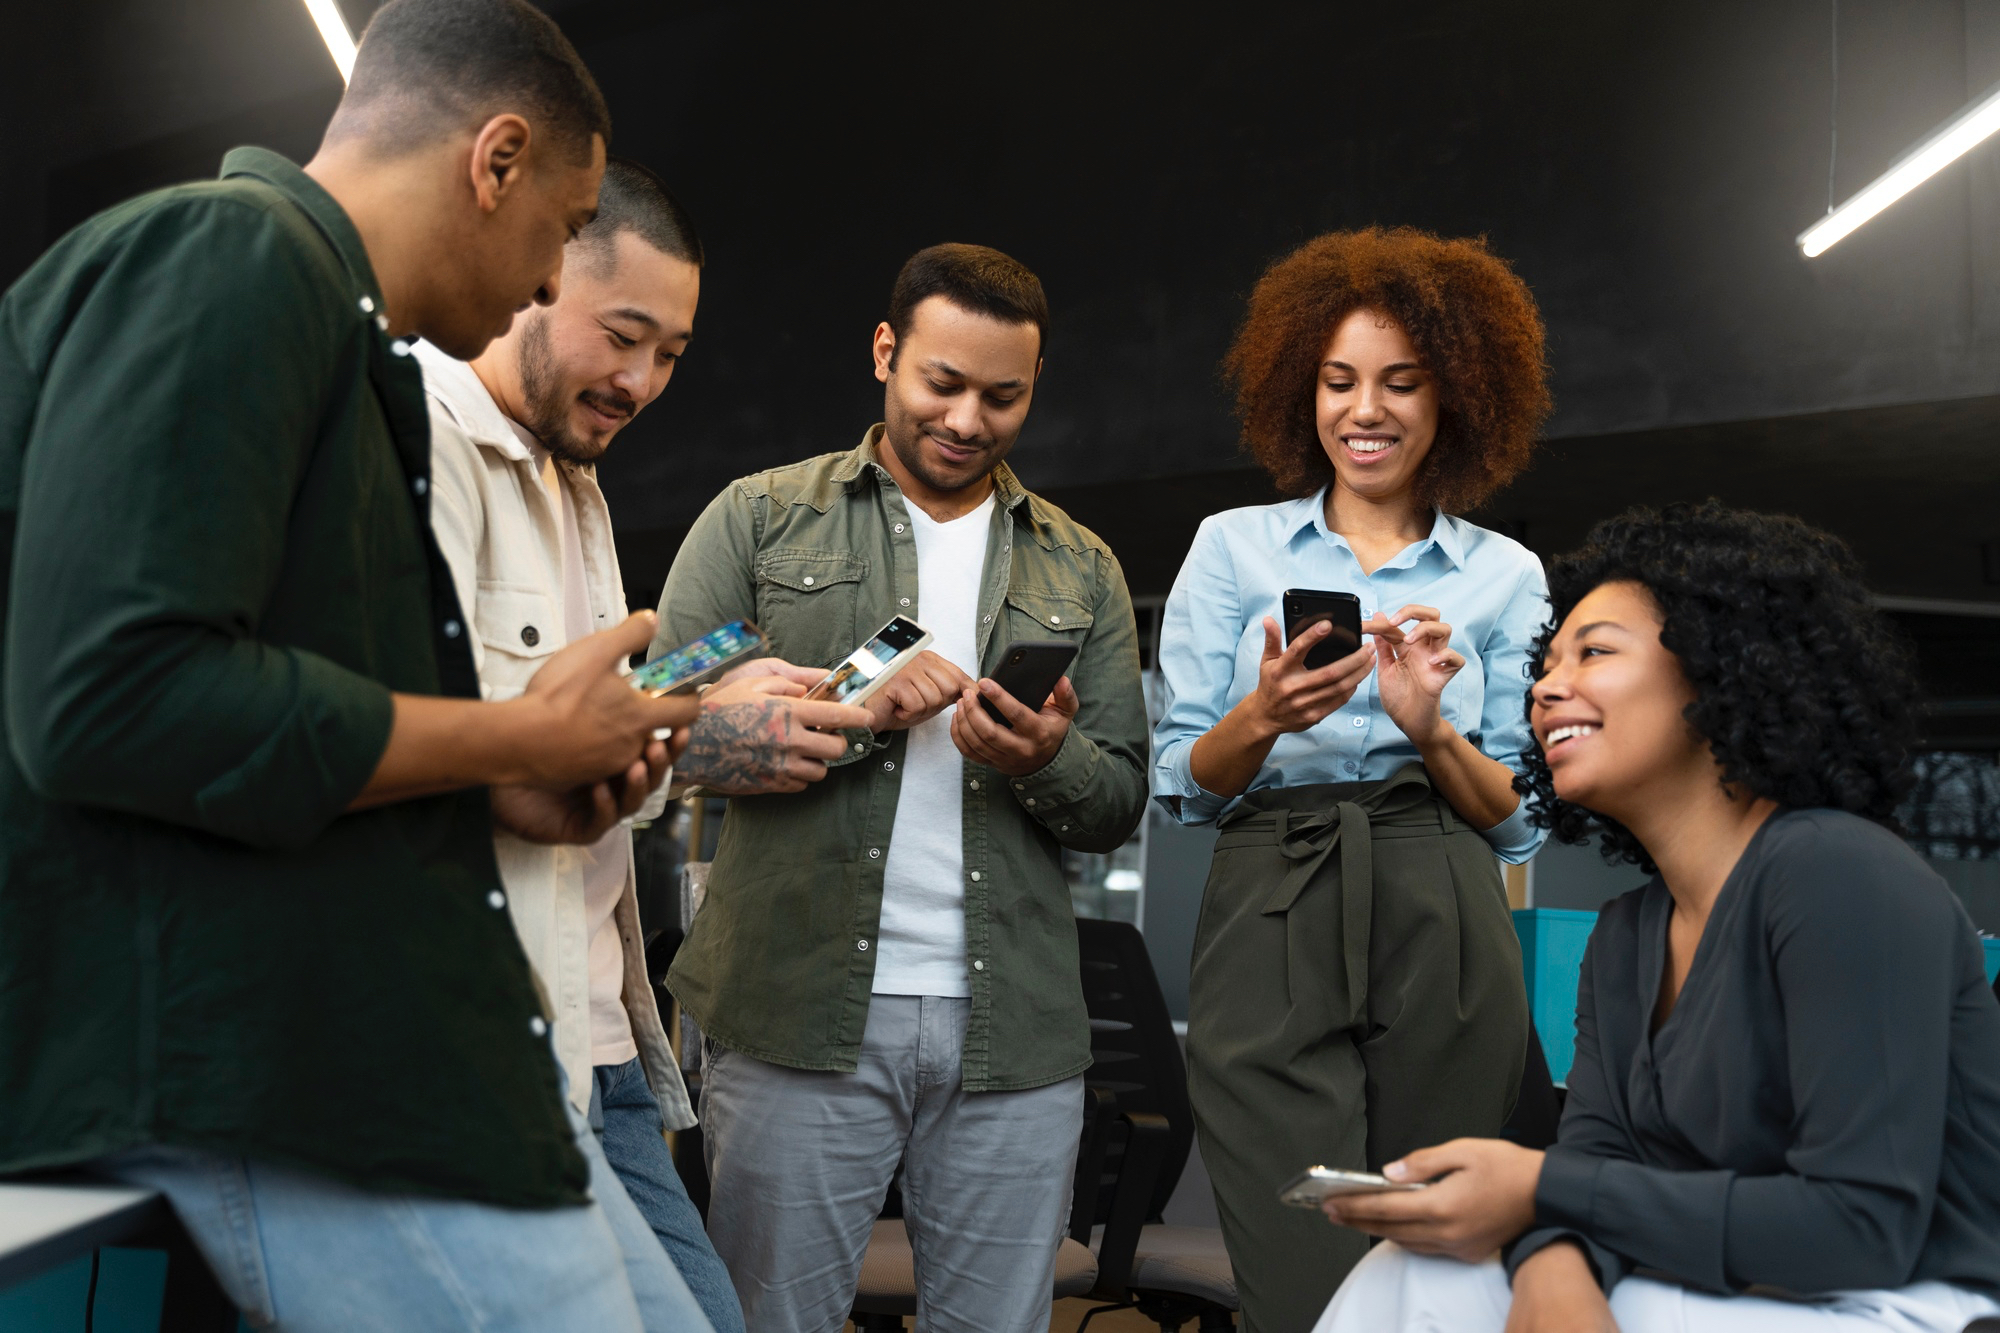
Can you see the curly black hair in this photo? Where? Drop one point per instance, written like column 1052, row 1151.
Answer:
column 1803, row 690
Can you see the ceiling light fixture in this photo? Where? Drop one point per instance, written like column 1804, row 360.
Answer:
column 333, row 31
column 1946, row 144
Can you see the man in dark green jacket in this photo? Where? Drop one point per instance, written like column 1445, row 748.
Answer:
column 886, row 963
column 253, row 947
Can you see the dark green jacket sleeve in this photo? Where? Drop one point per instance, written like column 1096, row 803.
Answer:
column 1093, row 793
column 184, row 374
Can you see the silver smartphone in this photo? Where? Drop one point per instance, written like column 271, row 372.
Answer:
column 691, row 664
column 1318, row 1183
column 872, row 665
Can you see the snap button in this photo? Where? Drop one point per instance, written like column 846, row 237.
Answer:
column 807, row 580
column 975, row 784
column 530, row 635
column 979, row 964
column 399, row 347
column 986, row 619
column 420, row 485
column 1065, row 828
column 899, row 527
column 975, row 877
column 861, row 945
column 367, row 304
column 905, row 601
column 451, row 629
column 1055, row 620
column 874, row 853
column 496, row 900
column 1019, row 787
column 888, row 766
column 1031, row 800
column 382, row 323
column 538, row 1027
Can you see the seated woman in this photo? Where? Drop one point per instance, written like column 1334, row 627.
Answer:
column 1785, row 1107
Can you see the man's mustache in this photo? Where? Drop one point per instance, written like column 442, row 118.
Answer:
column 616, row 404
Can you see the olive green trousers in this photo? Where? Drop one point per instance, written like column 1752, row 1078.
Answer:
column 1356, row 995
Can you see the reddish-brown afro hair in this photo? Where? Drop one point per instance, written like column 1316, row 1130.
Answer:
column 1473, row 323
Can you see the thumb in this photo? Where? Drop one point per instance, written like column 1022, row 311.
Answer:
column 632, row 635
column 1425, row 1163
column 1274, row 644
column 1065, row 698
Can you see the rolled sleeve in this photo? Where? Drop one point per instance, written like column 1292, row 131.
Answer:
column 1514, row 839
column 178, row 423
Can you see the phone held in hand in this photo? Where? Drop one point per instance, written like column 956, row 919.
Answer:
column 690, row 664
column 1312, row 1186
column 1029, row 670
column 1306, row 607
column 872, row 665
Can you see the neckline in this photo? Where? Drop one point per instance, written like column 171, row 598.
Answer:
column 1720, row 920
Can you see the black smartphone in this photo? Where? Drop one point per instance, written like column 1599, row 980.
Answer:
column 1306, row 607
column 1029, row 670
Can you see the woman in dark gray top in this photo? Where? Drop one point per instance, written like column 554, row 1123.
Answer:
column 1785, row 1107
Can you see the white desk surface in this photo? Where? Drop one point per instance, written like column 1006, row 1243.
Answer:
column 30, row 1213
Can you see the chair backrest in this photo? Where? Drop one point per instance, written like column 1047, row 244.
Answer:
column 1137, row 1056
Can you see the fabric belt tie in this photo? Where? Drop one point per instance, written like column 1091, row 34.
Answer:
column 1306, row 840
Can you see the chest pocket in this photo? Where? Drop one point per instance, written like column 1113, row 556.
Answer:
column 808, row 604
column 1043, row 613
column 520, row 628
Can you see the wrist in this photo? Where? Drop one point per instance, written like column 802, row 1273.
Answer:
column 1439, row 738
column 1253, row 722
column 506, row 740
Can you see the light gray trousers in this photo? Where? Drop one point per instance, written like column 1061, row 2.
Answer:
column 800, row 1161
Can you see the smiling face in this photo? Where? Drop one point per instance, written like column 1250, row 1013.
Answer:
column 1610, row 707
column 1376, row 406
column 575, row 373
column 959, row 386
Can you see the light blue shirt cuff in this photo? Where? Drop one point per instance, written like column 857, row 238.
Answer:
column 1514, row 839
column 1174, row 778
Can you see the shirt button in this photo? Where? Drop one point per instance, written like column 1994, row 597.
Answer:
column 986, row 619
column 367, row 304
column 1031, row 800
column 975, row 784
column 382, row 323
column 905, row 601
column 1019, row 787
column 1055, row 620
column 496, row 900
column 975, row 877
column 1353, row 767
column 420, row 485
column 862, row 945
column 1360, row 721
column 888, row 766
column 899, row 527
column 807, row 580
column 530, row 635
column 1065, row 828
column 451, row 628
column 538, row 1027
column 874, row 853
column 979, row 964
column 399, row 347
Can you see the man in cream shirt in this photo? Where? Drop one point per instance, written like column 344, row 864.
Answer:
column 524, row 526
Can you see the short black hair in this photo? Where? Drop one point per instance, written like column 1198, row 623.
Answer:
column 972, row 277
column 634, row 199
column 1803, row 690
column 427, row 68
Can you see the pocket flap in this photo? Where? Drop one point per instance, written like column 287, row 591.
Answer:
column 809, row 571
column 1055, row 609
column 519, row 621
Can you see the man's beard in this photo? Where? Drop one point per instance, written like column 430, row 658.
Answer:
column 542, row 396
column 906, row 436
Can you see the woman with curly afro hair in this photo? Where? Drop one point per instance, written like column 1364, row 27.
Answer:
column 1787, row 1058
column 1346, row 1008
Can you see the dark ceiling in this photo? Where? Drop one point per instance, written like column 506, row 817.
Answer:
column 1645, row 167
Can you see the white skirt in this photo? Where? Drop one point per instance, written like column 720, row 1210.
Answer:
column 1393, row 1289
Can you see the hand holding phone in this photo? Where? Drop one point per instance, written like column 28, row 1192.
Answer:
column 874, row 664
column 689, row 665
column 1316, row 1184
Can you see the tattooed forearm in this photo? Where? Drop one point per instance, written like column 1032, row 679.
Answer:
column 739, row 747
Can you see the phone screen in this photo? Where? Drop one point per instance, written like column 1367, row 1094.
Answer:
column 866, row 662
column 711, row 650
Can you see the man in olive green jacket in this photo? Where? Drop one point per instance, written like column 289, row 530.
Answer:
column 886, row 965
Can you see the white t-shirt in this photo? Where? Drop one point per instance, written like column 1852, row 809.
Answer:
column 606, row 861
column 921, row 949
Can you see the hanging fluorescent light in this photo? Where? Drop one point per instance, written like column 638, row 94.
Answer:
column 333, row 31
column 1947, row 144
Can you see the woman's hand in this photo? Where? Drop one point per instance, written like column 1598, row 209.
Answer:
column 1555, row 1292
column 1289, row 697
column 1413, row 665
column 1482, row 1196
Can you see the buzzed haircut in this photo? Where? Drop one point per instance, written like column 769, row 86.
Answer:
column 430, row 68
column 977, row 278
column 634, row 199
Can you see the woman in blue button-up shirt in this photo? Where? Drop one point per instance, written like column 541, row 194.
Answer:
column 1357, row 989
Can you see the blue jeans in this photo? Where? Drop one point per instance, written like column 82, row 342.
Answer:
column 304, row 1254
column 625, row 1113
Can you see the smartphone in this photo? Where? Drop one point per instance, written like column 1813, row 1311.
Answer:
column 1029, row 670
column 1306, row 607
column 1316, row 1183
column 872, row 665
column 690, row 664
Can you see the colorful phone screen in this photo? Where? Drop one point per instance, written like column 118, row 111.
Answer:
column 685, row 663
column 866, row 662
